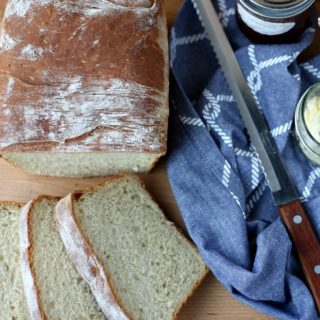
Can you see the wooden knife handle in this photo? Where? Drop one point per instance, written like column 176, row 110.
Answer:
column 306, row 244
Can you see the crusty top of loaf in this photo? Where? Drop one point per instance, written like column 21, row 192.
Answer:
column 83, row 75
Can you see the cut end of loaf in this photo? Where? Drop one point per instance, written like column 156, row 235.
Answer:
column 149, row 265
column 80, row 165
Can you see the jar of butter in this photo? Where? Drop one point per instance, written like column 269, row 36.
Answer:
column 307, row 123
column 273, row 21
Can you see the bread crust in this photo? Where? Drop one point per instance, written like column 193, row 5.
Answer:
column 196, row 286
column 11, row 203
column 32, row 291
column 129, row 60
column 75, row 240
column 85, row 260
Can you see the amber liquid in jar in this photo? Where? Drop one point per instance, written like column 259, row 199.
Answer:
column 275, row 21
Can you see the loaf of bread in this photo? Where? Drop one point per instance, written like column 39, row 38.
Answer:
column 83, row 86
column 137, row 264
column 12, row 300
column 53, row 288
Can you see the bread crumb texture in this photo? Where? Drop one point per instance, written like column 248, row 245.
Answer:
column 151, row 266
column 13, row 304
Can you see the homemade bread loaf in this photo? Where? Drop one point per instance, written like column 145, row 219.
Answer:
column 53, row 288
column 12, row 299
column 83, row 86
column 138, row 265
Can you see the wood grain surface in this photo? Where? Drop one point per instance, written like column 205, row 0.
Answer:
column 211, row 301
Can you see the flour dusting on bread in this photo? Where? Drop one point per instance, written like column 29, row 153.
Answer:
column 72, row 108
column 6, row 42
column 87, row 7
column 32, row 53
column 28, row 280
column 77, row 81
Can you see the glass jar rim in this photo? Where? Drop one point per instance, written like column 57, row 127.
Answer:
column 307, row 140
column 277, row 9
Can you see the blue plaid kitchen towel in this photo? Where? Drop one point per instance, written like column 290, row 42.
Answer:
column 215, row 175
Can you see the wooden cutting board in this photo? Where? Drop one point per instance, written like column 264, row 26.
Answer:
column 211, row 301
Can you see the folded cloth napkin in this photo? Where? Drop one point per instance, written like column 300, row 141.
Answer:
column 215, row 175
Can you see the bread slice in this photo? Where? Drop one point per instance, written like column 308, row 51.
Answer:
column 132, row 257
column 13, row 302
column 53, row 288
column 84, row 86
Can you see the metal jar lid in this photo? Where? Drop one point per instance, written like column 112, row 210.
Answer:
column 277, row 8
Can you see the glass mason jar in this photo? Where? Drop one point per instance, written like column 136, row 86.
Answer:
column 274, row 21
column 307, row 123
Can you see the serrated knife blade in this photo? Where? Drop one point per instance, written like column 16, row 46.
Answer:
column 284, row 193
column 279, row 181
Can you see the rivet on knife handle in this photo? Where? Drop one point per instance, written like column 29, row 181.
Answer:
column 283, row 191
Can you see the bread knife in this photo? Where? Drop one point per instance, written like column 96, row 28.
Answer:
column 284, row 193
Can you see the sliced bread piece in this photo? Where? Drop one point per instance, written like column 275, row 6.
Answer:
column 128, row 252
column 53, row 288
column 13, row 302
